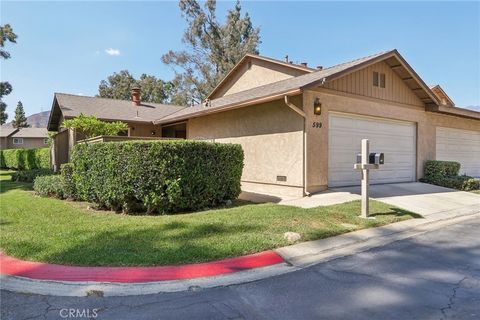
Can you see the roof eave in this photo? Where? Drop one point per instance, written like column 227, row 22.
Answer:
column 208, row 111
column 454, row 111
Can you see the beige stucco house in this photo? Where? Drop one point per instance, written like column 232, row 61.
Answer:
column 23, row 138
column 300, row 127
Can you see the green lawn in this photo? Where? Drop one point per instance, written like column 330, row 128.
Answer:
column 56, row 231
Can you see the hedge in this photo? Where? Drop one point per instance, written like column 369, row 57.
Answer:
column 25, row 159
column 50, row 186
column 30, row 175
column 445, row 174
column 66, row 172
column 157, row 177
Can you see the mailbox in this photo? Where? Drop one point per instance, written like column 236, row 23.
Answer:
column 376, row 158
column 373, row 158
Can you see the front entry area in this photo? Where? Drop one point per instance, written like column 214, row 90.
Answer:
column 396, row 139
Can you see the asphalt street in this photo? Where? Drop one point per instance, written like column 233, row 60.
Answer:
column 433, row 276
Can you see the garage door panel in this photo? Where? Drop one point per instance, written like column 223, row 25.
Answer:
column 462, row 146
column 396, row 139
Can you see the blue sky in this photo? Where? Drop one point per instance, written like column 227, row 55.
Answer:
column 62, row 46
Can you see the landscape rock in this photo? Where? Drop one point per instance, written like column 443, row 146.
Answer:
column 292, row 237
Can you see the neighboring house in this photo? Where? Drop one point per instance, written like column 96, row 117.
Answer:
column 139, row 117
column 23, row 138
column 300, row 128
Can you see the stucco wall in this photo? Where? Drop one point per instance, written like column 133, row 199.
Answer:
column 258, row 73
column 144, row 130
column 317, row 138
column 271, row 135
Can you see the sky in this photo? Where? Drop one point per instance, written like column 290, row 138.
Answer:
column 71, row 46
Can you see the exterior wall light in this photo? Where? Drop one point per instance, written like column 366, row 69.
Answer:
column 317, row 107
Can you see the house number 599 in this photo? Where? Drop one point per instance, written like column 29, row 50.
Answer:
column 317, row 125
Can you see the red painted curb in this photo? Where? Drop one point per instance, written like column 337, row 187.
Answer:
column 44, row 271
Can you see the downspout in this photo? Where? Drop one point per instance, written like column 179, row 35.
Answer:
column 301, row 113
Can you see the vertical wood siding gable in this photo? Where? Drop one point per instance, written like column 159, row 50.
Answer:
column 361, row 83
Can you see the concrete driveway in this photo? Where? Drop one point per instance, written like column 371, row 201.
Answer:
column 417, row 197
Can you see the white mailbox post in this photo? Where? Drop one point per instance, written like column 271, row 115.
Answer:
column 368, row 162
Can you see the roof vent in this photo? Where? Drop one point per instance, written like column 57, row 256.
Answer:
column 319, row 67
column 304, row 64
column 286, row 58
column 206, row 103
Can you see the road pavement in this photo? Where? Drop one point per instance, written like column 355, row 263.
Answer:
column 435, row 275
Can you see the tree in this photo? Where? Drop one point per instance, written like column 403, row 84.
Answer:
column 20, row 120
column 91, row 127
column 6, row 34
column 212, row 50
column 3, row 114
column 118, row 86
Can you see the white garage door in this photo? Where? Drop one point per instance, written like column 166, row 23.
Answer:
column 462, row 146
column 397, row 140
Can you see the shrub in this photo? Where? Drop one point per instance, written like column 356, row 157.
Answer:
column 66, row 172
column 30, row 175
column 157, row 177
column 25, row 159
column 445, row 174
column 51, row 186
column 439, row 169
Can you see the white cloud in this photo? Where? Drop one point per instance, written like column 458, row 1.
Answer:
column 112, row 52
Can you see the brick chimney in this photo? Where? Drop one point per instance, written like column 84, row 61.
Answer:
column 136, row 95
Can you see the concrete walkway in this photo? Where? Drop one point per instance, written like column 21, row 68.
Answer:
column 417, row 197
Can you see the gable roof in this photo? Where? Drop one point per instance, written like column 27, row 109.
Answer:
column 6, row 131
column 250, row 56
column 70, row 106
column 295, row 85
column 31, row 133
column 441, row 94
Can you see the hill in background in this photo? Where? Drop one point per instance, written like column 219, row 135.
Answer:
column 37, row 120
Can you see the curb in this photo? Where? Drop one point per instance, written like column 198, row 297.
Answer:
column 11, row 266
column 294, row 258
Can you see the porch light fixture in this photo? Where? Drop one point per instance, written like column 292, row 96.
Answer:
column 317, row 107
column 153, row 132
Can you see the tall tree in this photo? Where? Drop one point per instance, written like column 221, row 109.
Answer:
column 212, row 49
column 3, row 113
column 118, row 86
column 20, row 120
column 6, row 34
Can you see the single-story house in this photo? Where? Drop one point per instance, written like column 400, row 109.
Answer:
column 23, row 138
column 301, row 127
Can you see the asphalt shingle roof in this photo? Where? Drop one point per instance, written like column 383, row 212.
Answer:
column 112, row 109
column 265, row 90
column 5, row 132
column 31, row 133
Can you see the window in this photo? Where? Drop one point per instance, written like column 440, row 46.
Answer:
column 375, row 79
column 378, row 79
column 382, row 80
column 178, row 130
column 17, row 140
column 45, row 140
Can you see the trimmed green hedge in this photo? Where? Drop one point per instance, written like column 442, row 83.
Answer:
column 25, row 159
column 437, row 169
column 30, row 175
column 445, row 174
column 66, row 172
column 49, row 186
column 157, row 177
